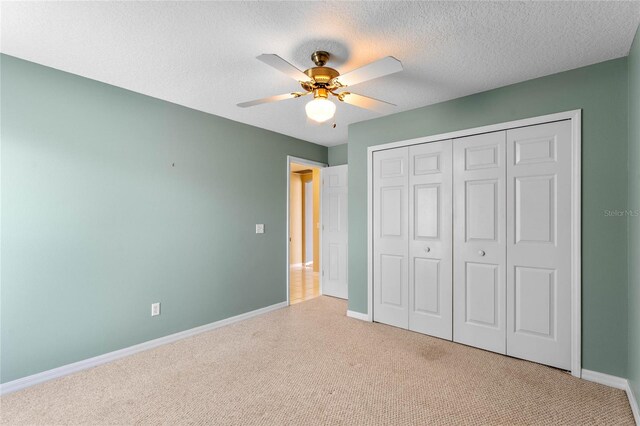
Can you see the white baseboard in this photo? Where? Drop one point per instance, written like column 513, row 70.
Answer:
column 65, row 370
column 634, row 404
column 358, row 315
column 615, row 382
column 605, row 379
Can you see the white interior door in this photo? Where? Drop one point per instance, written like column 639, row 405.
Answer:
column 390, row 239
column 334, row 231
column 539, row 243
column 479, row 240
column 430, row 239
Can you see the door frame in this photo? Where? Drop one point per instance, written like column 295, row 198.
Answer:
column 299, row 160
column 575, row 116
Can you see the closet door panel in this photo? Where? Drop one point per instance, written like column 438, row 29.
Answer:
column 479, row 258
column 539, row 243
column 430, row 239
column 390, row 239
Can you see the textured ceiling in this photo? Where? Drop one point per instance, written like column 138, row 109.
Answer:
column 202, row 54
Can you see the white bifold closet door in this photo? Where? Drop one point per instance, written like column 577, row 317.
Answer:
column 412, row 238
column 472, row 240
column 430, row 241
column 390, row 241
column 539, row 243
column 479, row 260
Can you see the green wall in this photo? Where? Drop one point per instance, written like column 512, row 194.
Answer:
column 633, row 219
column 601, row 92
column 338, row 155
column 112, row 200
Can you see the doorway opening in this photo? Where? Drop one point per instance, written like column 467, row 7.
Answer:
column 304, row 281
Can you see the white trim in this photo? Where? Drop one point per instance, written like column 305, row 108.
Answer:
column 298, row 160
column 576, row 243
column 567, row 115
column 615, row 382
column 576, row 141
column 605, row 379
column 370, row 151
column 358, row 316
column 633, row 402
column 75, row 367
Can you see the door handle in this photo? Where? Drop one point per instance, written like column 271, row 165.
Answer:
column 427, row 249
column 481, row 252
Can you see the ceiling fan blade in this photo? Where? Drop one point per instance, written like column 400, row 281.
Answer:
column 366, row 102
column 271, row 99
column 379, row 68
column 283, row 66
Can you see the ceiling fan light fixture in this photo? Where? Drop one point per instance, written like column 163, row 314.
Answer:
column 322, row 81
column 320, row 109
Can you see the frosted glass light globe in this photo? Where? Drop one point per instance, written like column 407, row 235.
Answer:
column 320, row 109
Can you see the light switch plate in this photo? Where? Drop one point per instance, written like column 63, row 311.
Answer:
column 259, row 228
column 155, row 309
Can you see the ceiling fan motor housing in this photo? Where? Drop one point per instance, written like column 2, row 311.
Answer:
column 321, row 76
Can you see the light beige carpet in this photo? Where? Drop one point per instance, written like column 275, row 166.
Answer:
column 310, row 364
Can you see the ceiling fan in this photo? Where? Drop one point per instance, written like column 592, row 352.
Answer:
column 322, row 81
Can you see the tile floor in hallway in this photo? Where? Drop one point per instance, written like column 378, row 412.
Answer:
column 304, row 284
